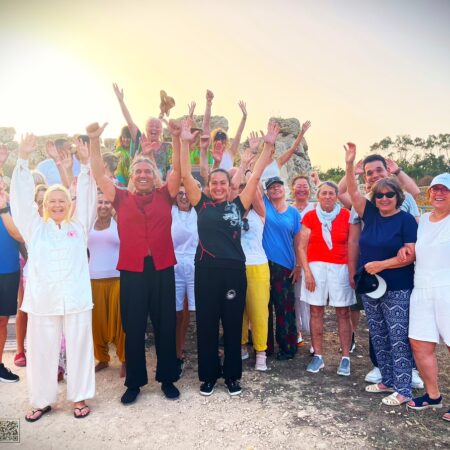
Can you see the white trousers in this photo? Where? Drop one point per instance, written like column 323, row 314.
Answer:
column 44, row 341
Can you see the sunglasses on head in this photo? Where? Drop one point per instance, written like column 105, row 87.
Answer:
column 380, row 195
column 245, row 224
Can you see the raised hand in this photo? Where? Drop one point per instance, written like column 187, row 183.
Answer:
column 82, row 152
column 315, row 178
column 27, row 145
column 118, row 92
column 94, row 130
column 148, row 146
column 174, row 127
column 209, row 96
column 254, row 141
column 247, row 158
column 404, row 253
column 4, row 153
column 186, row 134
column 52, row 151
column 243, row 107
column 66, row 159
column 217, row 152
column 359, row 168
column 273, row 130
column 205, row 140
column 350, row 152
column 191, row 108
column 392, row 166
column 305, row 126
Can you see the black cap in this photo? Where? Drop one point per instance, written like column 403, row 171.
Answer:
column 372, row 285
column 220, row 136
column 273, row 180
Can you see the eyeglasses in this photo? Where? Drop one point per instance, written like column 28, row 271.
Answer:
column 380, row 195
column 182, row 194
column 245, row 224
column 441, row 189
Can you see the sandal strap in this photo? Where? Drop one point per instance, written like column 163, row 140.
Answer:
column 420, row 401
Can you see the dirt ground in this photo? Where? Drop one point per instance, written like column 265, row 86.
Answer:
column 285, row 407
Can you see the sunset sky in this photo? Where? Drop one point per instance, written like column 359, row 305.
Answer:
column 359, row 70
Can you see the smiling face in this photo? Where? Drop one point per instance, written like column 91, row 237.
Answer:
column 142, row 176
column 154, row 130
column 276, row 192
column 56, row 206
column 327, row 197
column 374, row 171
column 182, row 200
column 104, row 207
column 387, row 206
column 440, row 198
column 219, row 186
column 301, row 189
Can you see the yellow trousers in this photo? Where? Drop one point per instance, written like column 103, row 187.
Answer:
column 106, row 321
column 256, row 306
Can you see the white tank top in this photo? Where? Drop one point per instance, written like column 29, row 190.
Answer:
column 103, row 248
column 184, row 232
column 251, row 240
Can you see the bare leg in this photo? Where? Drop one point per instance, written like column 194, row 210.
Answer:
column 317, row 328
column 21, row 322
column 344, row 328
column 354, row 317
column 425, row 357
column 182, row 326
column 3, row 333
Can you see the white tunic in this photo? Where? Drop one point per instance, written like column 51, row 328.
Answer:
column 184, row 232
column 58, row 280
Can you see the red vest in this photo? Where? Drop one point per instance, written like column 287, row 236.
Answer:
column 144, row 230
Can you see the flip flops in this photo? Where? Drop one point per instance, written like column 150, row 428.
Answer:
column 375, row 388
column 42, row 411
column 81, row 416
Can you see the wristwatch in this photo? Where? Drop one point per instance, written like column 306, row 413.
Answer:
column 4, row 210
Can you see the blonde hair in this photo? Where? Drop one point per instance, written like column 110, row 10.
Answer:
column 48, row 192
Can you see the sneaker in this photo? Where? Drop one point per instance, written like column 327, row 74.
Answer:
column 261, row 359
column 170, row 391
column 130, row 396
column 374, row 376
column 315, row 365
column 244, row 353
column 417, row 382
column 20, row 360
column 234, row 388
column 207, row 388
column 300, row 341
column 283, row 356
column 344, row 367
column 7, row 376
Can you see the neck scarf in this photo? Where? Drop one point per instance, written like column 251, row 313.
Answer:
column 326, row 219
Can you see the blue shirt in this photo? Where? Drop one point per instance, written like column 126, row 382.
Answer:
column 9, row 251
column 381, row 238
column 279, row 232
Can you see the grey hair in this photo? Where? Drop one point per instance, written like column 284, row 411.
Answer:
column 329, row 184
column 142, row 159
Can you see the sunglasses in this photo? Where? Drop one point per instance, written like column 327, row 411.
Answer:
column 380, row 195
column 245, row 224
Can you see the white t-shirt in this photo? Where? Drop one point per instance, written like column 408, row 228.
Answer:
column 227, row 161
column 251, row 240
column 309, row 207
column 432, row 253
column 184, row 232
column 103, row 248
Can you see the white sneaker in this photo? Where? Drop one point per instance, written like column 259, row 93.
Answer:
column 417, row 382
column 261, row 361
column 374, row 376
column 244, row 353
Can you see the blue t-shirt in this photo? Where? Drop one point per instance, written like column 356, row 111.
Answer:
column 9, row 251
column 382, row 237
column 279, row 232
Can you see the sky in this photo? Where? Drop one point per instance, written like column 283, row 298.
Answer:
column 359, row 70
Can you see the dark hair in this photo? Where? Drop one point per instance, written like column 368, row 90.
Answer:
column 59, row 143
column 84, row 138
column 219, row 170
column 125, row 132
column 388, row 183
column 372, row 158
column 300, row 177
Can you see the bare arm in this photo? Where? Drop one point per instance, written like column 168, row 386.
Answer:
column 396, row 262
column 353, row 251
column 246, row 160
column 343, row 195
column 205, row 139
column 287, row 155
column 297, row 270
column 237, row 139
column 174, row 177
column 358, row 200
column 258, row 202
column 105, row 184
column 305, row 234
column 58, row 158
column 407, row 183
column 7, row 219
column 207, row 117
column 126, row 114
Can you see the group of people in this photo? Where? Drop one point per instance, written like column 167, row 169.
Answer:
column 111, row 239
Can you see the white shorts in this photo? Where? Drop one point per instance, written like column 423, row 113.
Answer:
column 332, row 282
column 184, row 282
column 429, row 314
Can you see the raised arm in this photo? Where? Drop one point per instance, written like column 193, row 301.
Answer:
column 207, row 116
column 343, row 195
column 105, row 184
column 287, row 155
column 264, row 159
column 237, row 139
column 247, row 158
column 358, row 200
column 174, row 176
column 57, row 158
column 126, row 114
column 193, row 192
column 407, row 183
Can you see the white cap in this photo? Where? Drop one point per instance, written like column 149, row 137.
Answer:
column 443, row 178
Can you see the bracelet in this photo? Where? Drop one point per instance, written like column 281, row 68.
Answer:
column 5, row 210
column 74, row 198
column 297, row 266
column 58, row 162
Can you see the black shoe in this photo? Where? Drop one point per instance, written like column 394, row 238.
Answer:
column 283, row 356
column 234, row 388
column 7, row 376
column 180, row 366
column 130, row 396
column 353, row 346
column 207, row 388
column 170, row 391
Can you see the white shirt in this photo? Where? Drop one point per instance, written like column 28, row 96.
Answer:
column 49, row 169
column 432, row 253
column 251, row 240
column 103, row 248
column 272, row 170
column 227, row 161
column 58, row 280
column 184, row 232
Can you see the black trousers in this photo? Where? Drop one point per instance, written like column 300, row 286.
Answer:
column 219, row 296
column 142, row 293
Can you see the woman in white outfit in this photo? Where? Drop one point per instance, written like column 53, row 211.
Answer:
column 58, row 293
